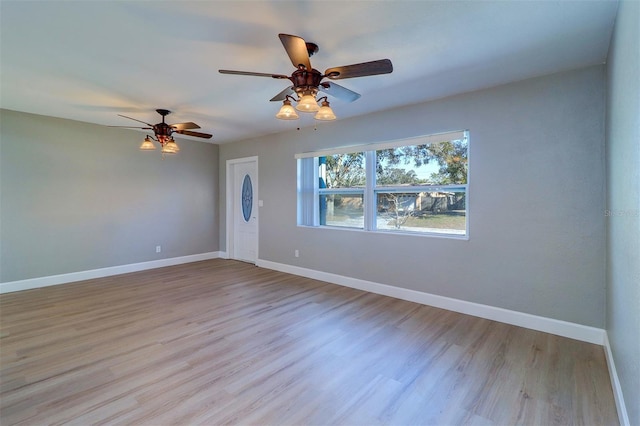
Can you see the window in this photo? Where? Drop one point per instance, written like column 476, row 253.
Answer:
column 341, row 186
column 411, row 186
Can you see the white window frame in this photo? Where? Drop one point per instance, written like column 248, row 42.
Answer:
column 309, row 209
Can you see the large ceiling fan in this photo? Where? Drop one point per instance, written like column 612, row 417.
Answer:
column 163, row 132
column 307, row 81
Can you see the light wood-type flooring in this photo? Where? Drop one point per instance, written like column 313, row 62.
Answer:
column 224, row 342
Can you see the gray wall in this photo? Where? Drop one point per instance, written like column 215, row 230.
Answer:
column 536, row 201
column 77, row 196
column 623, row 203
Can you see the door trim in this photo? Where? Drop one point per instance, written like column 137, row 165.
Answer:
column 230, row 167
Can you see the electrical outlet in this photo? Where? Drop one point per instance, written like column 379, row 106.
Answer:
column 297, row 253
column 158, row 249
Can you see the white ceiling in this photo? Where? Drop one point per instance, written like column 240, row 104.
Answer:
column 91, row 60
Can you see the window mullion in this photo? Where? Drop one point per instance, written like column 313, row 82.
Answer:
column 369, row 192
column 316, row 195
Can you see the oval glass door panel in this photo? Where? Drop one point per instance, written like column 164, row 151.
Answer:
column 247, row 198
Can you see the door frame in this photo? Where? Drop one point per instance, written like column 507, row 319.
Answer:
column 230, row 166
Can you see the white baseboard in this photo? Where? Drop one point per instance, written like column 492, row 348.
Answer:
column 623, row 417
column 534, row 322
column 32, row 283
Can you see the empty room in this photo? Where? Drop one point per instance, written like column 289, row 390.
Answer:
column 320, row 212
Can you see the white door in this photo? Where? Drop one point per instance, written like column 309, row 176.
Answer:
column 242, row 198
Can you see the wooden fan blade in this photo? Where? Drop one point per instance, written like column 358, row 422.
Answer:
column 296, row 48
column 338, row 91
column 134, row 119
column 382, row 66
column 256, row 74
column 183, row 126
column 196, row 134
column 283, row 95
column 133, row 127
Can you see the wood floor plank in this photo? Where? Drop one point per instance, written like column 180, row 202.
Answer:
column 224, row 342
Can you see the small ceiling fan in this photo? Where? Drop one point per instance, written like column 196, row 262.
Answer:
column 163, row 133
column 307, row 81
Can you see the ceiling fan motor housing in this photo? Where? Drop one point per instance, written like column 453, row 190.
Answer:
column 306, row 81
column 163, row 132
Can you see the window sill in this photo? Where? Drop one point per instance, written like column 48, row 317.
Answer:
column 461, row 237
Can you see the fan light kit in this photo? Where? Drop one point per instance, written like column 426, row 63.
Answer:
column 306, row 103
column 169, row 146
column 163, row 133
column 307, row 81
